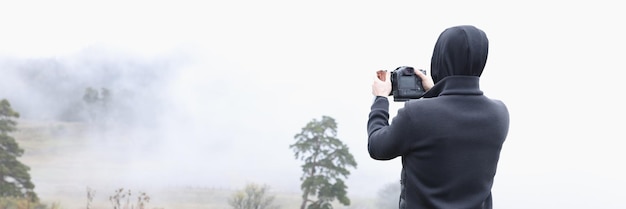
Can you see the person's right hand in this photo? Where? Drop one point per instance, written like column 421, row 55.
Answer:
column 382, row 87
column 427, row 81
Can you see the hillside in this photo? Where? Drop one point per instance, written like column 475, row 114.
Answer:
column 68, row 158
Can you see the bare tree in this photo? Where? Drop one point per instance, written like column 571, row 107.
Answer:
column 252, row 197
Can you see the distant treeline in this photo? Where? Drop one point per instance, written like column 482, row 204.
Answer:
column 56, row 88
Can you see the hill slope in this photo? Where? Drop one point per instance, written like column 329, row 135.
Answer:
column 67, row 159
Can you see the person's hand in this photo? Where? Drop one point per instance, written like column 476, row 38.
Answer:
column 427, row 81
column 382, row 87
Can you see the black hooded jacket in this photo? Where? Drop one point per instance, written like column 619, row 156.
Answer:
column 450, row 140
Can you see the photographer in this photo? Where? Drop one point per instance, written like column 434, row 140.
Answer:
column 450, row 139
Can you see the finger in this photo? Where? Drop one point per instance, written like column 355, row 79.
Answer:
column 381, row 75
column 420, row 73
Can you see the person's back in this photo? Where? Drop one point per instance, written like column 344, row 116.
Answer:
column 450, row 140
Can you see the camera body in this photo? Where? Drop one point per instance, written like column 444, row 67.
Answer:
column 405, row 84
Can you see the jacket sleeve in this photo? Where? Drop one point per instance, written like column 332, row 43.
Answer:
column 386, row 141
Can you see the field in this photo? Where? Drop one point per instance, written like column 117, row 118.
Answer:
column 65, row 165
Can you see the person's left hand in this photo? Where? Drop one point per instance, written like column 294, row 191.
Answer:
column 382, row 87
column 427, row 81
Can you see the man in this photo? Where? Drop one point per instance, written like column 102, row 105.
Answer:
column 449, row 140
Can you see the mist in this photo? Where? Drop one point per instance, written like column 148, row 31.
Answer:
column 164, row 125
column 212, row 95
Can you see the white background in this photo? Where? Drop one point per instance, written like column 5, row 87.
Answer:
column 265, row 68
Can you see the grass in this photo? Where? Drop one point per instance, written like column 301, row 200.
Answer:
column 62, row 160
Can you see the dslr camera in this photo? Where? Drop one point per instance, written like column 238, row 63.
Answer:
column 405, row 84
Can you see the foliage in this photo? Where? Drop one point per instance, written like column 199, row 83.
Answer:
column 389, row 196
column 14, row 177
column 22, row 203
column 252, row 197
column 326, row 161
column 98, row 102
column 93, row 96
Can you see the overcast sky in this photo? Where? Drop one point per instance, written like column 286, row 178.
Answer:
column 256, row 72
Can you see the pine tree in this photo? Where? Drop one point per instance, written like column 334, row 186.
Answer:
column 14, row 177
column 326, row 161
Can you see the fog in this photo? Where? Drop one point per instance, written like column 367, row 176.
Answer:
column 211, row 95
column 202, row 131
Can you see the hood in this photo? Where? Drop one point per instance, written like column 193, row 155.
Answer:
column 460, row 50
